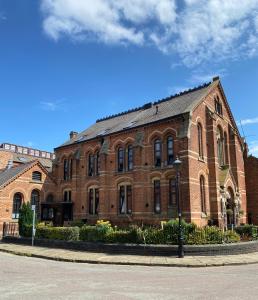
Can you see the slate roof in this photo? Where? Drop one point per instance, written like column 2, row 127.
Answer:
column 25, row 158
column 9, row 174
column 169, row 107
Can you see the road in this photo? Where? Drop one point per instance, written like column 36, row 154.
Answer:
column 33, row 278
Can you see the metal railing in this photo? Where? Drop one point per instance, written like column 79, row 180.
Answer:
column 10, row 229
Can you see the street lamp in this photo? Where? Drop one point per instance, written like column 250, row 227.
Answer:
column 177, row 165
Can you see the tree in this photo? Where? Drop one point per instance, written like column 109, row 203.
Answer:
column 25, row 220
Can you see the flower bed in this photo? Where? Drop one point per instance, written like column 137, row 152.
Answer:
column 167, row 233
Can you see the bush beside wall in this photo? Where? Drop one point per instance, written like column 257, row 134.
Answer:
column 58, row 233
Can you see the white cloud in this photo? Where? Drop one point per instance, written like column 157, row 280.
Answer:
column 253, row 148
column 196, row 30
column 248, row 121
column 52, row 105
column 2, row 16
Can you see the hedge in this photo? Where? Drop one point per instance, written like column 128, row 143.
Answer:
column 58, row 233
column 167, row 233
column 247, row 231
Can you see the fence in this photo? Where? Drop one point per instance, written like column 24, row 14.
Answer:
column 10, row 229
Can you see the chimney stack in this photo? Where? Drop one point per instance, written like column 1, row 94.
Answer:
column 73, row 134
column 157, row 109
column 216, row 78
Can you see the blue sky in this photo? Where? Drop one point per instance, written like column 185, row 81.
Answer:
column 65, row 63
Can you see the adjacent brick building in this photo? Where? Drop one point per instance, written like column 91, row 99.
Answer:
column 24, row 176
column 121, row 168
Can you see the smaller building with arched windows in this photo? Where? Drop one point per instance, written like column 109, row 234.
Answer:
column 27, row 182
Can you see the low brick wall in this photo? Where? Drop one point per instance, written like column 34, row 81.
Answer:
column 133, row 249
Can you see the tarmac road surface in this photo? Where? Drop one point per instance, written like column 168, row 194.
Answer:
column 33, row 278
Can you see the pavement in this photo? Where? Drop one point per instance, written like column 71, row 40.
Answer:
column 115, row 259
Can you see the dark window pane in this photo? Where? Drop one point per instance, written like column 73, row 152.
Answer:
column 17, row 202
column 129, row 199
column 172, row 192
column 65, row 169
column 96, row 201
column 157, row 204
column 200, row 141
column 91, row 201
column 170, row 150
column 122, row 202
column 37, row 176
column 130, row 158
column 157, row 153
column 91, row 165
column 202, row 193
column 120, row 160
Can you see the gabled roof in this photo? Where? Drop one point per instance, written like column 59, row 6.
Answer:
column 11, row 174
column 169, row 107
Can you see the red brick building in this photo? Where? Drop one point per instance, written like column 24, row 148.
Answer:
column 24, row 176
column 121, row 168
column 251, row 168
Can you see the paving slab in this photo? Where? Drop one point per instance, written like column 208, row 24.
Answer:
column 103, row 258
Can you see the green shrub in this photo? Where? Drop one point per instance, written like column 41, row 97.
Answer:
column 153, row 235
column 58, row 233
column 92, row 233
column 231, row 236
column 119, row 236
column 77, row 223
column 25, row 220
column 171, row 228
column 249, row 231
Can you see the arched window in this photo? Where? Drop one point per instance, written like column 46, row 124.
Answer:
column 202, row 194
column 172, row 193
column 200, row 140
column 130, row 157
column 66, row 169
column 220, row 147
column 91, row 170
column 93, row 201
column 35, row 200
column 71, row 168
column 157, row 153
column 97, row 163
column 218, row 106
column 125, row 199
column 37, row 176
column 170, row 150
column 157, row 196
column 17, row 202
column 120, row 158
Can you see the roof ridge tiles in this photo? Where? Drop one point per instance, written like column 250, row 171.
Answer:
column 150, row 104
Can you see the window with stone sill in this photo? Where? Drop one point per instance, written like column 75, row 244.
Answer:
column 120, row 159
column 17, row 202
column 200, row 141
column 125, row 199
column 157, row 196
column 157, row 153
column 170, row 150
column 68, row 196
column 202, row 194
column 172, row 193
column 93, row 201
